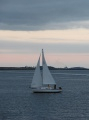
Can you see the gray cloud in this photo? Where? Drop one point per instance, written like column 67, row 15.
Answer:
column 27, row 47
column 35, row 14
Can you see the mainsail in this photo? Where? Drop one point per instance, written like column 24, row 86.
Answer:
column 47, row 77
column 37, row 78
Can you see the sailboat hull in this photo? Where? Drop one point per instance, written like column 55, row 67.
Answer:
column 47, row 90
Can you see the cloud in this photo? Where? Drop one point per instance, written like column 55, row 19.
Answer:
column 42, row 14
column 47, row 36
column 31, row 48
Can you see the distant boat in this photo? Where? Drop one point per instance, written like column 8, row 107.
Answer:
column 43, row 82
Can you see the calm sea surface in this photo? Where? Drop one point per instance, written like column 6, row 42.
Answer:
column 17, row 102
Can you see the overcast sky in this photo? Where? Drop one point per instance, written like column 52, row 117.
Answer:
column 35, row 14
column 59, row 26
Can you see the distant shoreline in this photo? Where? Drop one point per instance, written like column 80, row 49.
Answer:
column 50, row 67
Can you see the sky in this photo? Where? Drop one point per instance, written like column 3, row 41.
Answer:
column 60, row 27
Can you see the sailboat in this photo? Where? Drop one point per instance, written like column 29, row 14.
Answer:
column 43, row 82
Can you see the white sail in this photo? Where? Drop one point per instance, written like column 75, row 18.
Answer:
column 37, row 78
column 47, row 77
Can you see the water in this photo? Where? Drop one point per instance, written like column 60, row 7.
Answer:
column 17, row 102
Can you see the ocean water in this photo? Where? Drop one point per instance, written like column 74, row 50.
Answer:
column 17, row 102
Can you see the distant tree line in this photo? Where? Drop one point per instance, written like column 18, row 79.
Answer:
column 50, row 67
